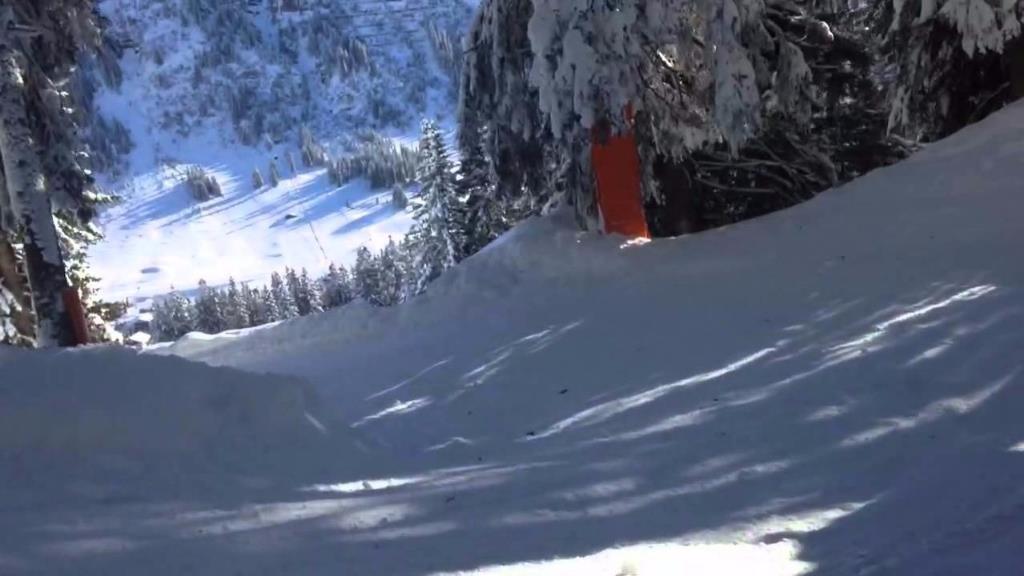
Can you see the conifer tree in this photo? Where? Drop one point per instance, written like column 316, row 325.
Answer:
column 392, row 276
column 257, row 179
column 955, row 61
column 484, row 215
column 210, row 310
column 252, row 306
column 367, row 276
column 275, row 175
column 407, row 262
column 268, row 310
column 398, row 197
column 337, row 287
column 282, row 297
column 437, row 234
column 173, row 317
column 306, row 293
column 236, row 314
column 290, row 157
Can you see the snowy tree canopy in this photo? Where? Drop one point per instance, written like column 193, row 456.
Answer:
column 437, row 235
column 700, row 69
column 685, row 73
column 954, row 61
column 49, row 35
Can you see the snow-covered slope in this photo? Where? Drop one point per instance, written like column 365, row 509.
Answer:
column 160, row 237
column 834, row 389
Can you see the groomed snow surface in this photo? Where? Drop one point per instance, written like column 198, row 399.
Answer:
column 836, row 389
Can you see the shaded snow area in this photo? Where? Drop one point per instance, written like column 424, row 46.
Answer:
column 831, row 390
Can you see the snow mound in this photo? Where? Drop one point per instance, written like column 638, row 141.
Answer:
column 112, row 405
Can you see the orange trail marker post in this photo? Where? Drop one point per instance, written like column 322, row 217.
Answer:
column 616, row 165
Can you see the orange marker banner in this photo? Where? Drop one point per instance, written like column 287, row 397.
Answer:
column 616, row 165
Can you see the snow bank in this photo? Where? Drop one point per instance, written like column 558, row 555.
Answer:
column 112, row 405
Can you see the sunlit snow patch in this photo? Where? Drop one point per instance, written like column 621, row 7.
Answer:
column 365, row 485
column 737, row 550
column 880, row 330
column 397, row 408
column 667, row 559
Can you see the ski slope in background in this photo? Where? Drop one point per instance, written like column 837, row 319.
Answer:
column 835, row 389
column 159, row 236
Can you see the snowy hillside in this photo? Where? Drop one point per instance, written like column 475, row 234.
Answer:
column 835, row 389
column 226, row 87
column 161, row 237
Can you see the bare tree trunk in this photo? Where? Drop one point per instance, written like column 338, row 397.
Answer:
column 31, row 206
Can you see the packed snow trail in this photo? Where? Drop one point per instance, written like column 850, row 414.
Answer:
column 833, row 389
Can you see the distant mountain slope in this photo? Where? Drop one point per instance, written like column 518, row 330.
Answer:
column 256, row 73
column 226, row 86
column 161, row 237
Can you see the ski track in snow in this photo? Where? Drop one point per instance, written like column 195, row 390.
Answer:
column 831, row 390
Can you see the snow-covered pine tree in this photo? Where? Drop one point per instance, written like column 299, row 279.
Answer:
column 437, row 234
column 291, row 280
column 282, row 297
column 275, row 175
column 785, row 162
column 43, row 178
column 307, row 294
column 290, row 157
column 252, row 305
column 407, row 263
column 336, row 287
column 160, row 326
column 496, row 95
column 392, row 276
column 484, row 214
column 210, row 310
column 398, row 197
column 692, row 73
column 954, row 61
column 268, row 310
column 257, row 179
column 173, row 317
column 313, row 154
column 366, row 276
column 203, row 185
column 236, row 312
